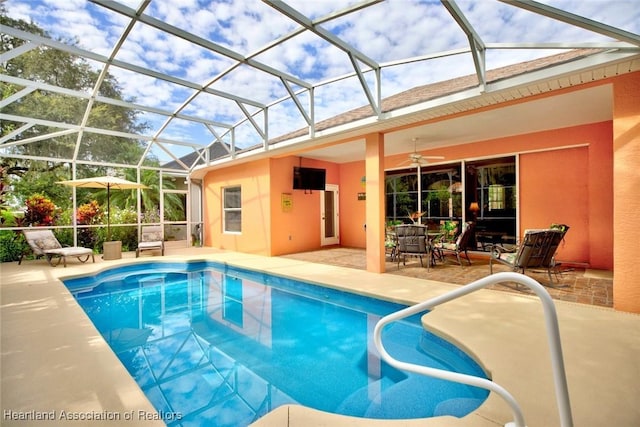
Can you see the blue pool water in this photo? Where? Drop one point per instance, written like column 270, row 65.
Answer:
column 212, row 345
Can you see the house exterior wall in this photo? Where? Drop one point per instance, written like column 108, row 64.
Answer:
column 352, row 210
column 572, row 186
column 565, row 175
column 626, row 202
column 296, row 229
column 254, row 179
column 268, row 228
column 553, row 189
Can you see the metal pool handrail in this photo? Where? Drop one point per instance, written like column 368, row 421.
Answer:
column 553, row 335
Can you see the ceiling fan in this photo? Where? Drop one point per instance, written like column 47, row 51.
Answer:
column 416, row 159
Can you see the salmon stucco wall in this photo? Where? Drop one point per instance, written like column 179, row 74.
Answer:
column 288, row 231
column 352, row 209
column 296, row 228
column 256, row 199
column 276, row 219
column 571, row 185
column 626, row 233
column 268, row 226
column 553, row 189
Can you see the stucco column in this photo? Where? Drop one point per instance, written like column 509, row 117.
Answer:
column 626, row 185
column 374, row 172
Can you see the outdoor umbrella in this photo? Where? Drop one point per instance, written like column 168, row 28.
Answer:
column 108, row 182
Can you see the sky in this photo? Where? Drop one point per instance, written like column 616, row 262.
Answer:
column 386, row 32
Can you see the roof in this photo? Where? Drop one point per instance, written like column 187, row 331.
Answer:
column 428, row 92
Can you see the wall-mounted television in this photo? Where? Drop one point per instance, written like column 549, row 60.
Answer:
column 309, row 178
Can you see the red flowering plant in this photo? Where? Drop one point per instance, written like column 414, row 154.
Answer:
column 88, row 214
column 40, row 211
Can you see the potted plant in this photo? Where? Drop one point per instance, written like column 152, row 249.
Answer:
column 391, row 225
column 448, row 230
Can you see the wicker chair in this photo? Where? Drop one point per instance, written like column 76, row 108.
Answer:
column 412, row 241
column 537, row 250
column 461, row 245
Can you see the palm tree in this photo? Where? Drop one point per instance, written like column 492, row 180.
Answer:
column 150, row 197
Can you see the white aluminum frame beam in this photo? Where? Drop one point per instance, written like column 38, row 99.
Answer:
column 73, row 50
column 576, row 20
column 478, row 48
column 354, row 54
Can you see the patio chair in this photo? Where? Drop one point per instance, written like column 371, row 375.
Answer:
column 537, row 250
column 151, row 239
column 460, row 246
column 391, row 245
column 44, row 243
column 412, row 241
column 550, row 262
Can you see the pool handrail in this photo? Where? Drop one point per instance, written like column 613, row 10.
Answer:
column 553, row 335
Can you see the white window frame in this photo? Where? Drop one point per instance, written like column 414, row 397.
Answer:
column 226, row 209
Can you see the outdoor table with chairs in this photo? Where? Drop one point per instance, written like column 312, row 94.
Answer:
column 418, row 240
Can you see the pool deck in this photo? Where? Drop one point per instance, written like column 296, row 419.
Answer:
column 53, row 359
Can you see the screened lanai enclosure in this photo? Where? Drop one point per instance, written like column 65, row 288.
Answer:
column 156, row 91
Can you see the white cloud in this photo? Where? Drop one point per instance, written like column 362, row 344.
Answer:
column 21, row 10
column 387, row 31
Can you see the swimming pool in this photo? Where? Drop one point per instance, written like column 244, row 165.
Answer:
column 210, row 344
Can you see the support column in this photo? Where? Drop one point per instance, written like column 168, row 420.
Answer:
column 374, row 172
column 626, row 184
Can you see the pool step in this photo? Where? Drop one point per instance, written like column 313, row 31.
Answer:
column 385, row 398
column 457, row 407
column 421, row 395
column 357, row 403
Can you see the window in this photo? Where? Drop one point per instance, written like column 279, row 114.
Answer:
column 439, row 198
column 401, row 195
column 232, row 308
column 492, row 185
column 442, row 193
column 495, row 185
column 232, row 210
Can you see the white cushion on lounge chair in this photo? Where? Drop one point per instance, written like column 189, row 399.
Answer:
column 150, row 239
column 149, row 245
column 75, row 251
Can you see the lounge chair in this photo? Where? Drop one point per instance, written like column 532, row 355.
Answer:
column 537, row 250
column 461, row 244
column 44, row 243
column 150, row 239
column 412, row 241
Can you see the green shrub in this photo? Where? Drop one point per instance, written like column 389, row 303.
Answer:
column 7, row 218
column 11, row 244
column 127, row 235
column 64, row 235
column 449, row 230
